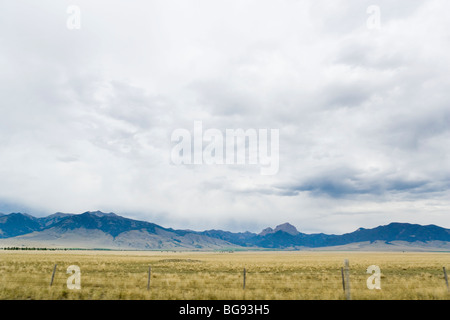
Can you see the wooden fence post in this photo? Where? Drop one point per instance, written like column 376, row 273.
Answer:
column 53, row 275
column 149, row 275
column 245, row 273
column 446, row 279
column 347, row 279
column 343, row 279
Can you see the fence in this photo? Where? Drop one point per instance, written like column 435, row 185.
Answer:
column 201, row 281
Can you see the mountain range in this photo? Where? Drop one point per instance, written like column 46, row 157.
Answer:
column 110, row 231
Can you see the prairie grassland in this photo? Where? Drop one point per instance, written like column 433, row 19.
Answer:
column 213, row 275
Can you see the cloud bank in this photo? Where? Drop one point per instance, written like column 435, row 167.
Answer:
column 363, row 114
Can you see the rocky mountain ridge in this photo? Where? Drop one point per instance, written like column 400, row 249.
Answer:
column 108, row 230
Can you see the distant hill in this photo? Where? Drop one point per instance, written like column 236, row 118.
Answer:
column 15, row 224
column 404, row 232
column 109, row 230
column 394, row 232
column 285, row 227
column 52, row 219
column 100, row 230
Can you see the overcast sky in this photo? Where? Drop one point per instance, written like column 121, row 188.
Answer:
column 363, row 110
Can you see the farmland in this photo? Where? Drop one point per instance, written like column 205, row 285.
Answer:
column 299, row 275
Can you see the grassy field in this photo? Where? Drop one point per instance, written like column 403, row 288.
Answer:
column 213, row 275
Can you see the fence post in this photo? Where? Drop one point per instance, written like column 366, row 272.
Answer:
column 343, row 279
column 245, row 273
column 53, row 275
column 347, row 279
column 149, row 275
column 446, row 279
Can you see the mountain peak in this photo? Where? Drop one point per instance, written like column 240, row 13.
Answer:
column 285, row 227
column 100, row 214
column 59, row 214
column 288, row 228
column 21, row 214
column 266, row 231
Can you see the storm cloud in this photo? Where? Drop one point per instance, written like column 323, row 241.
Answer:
column 86, row 115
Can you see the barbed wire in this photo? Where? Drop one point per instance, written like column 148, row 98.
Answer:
column 164, row 278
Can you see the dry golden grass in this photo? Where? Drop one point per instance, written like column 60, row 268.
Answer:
column 211, row 275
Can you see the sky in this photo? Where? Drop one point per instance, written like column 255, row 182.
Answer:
column 93, row 91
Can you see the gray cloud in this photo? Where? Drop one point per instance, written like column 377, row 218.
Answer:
column 343, row 184
column 87, row 115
